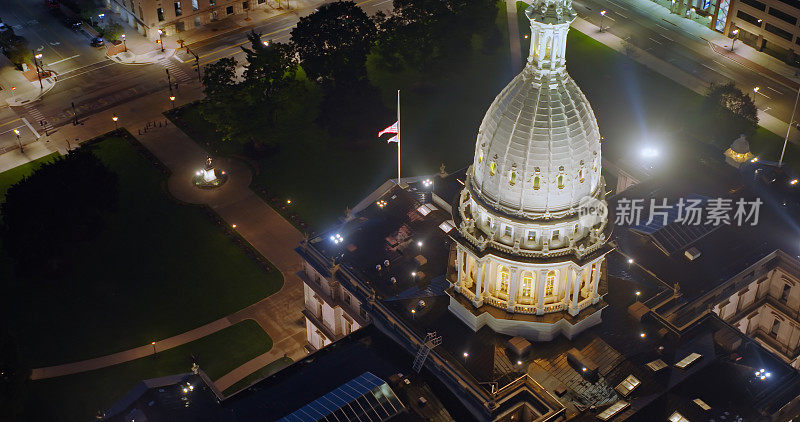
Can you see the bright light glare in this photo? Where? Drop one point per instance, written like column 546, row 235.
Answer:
column 337, row 238
column 650, row 152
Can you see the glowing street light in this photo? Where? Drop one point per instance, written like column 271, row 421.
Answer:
column 16, row 132
column 161, row 39
column 172, row 100
column 115, row 118
column 630, row 260
column 154, row 348
column 602, row 19
column 638, row 293
column 735, row 33
column 124, row 44
column 642, row 334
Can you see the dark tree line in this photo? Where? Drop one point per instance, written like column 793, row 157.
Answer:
column 61, row 203
column 728, row 113
column 320, row 76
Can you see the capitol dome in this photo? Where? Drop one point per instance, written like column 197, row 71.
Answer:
column 538, row 147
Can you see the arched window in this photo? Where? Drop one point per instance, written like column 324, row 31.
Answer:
column 504, row 276
column 480, row 157
column 581, row 175
column 527, row 283
column 536, row 182
column 550, row 283
column 492, row 168
column 560, row 180
column 512, row 178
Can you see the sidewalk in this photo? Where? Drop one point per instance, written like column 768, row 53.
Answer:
column 275, row 238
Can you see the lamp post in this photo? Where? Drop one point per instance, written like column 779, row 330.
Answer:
column 735, row 33
column 154, row 348
column 124, row 44
column 466, row 355
column 172, row 100
column 115, row 118
column 16, row 132
column 755, row 91
column 602, row 19
column 36, row 57
column 788, row 129
column 161, row 39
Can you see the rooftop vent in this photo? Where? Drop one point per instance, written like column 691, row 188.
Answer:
column 692, row 253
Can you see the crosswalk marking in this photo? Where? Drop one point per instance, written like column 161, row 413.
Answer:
column 38, row 117
column 176, row 72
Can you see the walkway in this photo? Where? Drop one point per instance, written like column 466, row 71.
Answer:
column 275, row 238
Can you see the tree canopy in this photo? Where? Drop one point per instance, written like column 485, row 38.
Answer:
column 731, row 112
column 334, row 41
column 61, row 202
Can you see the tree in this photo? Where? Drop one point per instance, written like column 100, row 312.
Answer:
column 424, row 34
column 17, row 51
column 14, row 375
column 334, row 41
column 730, row 112
column 60, row 203
column 219, row 78
column 113, row 31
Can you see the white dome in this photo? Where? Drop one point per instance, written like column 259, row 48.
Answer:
column 538, row 147
column 541, row 125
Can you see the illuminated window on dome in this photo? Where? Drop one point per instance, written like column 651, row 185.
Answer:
column 512, row 178
column 527, row 283
column 508, row 231
column 480, row 157
column 536, row 182
column 550, row 283
column 504, row 279
column 531, row 236
column 581, row 175
column 492, row 168
column 560, row 181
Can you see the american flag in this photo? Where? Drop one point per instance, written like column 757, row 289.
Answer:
column 392, row 139
column 390, row 129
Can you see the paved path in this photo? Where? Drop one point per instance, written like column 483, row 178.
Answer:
column 275, row 238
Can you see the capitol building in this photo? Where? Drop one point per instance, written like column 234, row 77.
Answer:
column 532, row 215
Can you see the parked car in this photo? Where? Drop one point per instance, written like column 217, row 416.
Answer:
column 74, row 24
column 97, row 42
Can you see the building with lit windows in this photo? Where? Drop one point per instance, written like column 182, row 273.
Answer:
column 766, row 25
column 173, row 17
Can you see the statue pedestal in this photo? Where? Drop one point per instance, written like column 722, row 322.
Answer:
column 209, row 178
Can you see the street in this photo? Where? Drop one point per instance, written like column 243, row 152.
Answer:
column 93, row 82
column 689, row 53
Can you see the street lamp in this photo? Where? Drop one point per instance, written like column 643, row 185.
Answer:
column 36, row 58
column 124, row 44
column 788, row 129
column 161, row 39
column 154, row 348
column 172, row 100
column 735, row 33
column 755, row 91
column 602, row 18
column 466, row 355
column 16, row 132
column 115, row 118
column 638, row 293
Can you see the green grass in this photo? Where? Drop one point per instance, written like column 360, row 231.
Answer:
column 264, row 372
column 78, row 397
column 12, row 176
column 159, row 269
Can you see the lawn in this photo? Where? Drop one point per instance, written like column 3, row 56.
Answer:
column 159, row 269
column 12, row 176
column 264, row 372
column 78, row 397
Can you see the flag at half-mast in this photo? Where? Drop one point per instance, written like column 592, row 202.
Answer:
column 393, row 139
column 390, row 129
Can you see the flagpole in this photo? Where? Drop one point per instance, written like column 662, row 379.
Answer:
column 398, row 137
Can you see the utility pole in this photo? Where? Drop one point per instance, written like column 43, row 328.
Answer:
column 36, row 65
column 169, row 80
